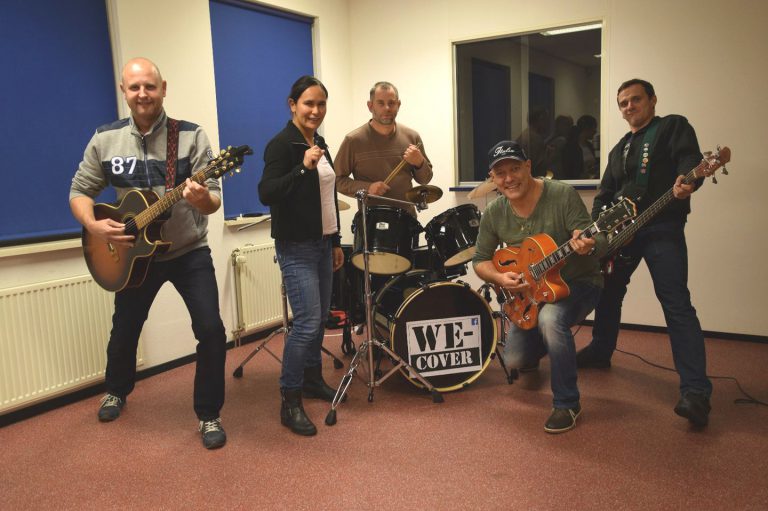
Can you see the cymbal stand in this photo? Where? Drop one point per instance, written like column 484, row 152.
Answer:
column 485, row 292
column 238, row 372
column 365, row 350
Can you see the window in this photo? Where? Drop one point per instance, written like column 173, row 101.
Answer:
column 541, row 89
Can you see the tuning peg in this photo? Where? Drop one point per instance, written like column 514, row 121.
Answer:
column 714, row 179
column 725, row 171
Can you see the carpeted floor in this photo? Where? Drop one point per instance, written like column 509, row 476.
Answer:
column 483, row 448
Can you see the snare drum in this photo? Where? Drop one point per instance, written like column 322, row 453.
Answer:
column 443, row 329
column 425, row 258
column 392, row 236
column 454, row 234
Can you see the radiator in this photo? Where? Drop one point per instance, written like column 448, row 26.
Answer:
column 257, row 287
column 53, row 338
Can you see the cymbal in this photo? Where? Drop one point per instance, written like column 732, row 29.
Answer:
column 343, row 205
column 423, row 193
column 483, row 188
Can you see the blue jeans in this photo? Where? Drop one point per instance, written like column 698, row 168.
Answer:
column 193, row 276
column 307, row 268
column 666, row 254
column 553, row 335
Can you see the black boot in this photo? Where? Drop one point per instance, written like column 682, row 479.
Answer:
column 314, row 385
column 292, row 413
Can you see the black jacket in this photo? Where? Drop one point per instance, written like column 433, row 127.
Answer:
column 675, row 151
column 291, row 191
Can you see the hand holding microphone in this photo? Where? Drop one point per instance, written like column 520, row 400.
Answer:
column 314, row 153
column 312, row 156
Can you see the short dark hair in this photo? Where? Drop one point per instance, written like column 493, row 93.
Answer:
column 586, row 122
column 304, row 83
column 637, row 81
column 385, row 86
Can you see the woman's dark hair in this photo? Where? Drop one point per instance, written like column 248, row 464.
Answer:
column 304, row 83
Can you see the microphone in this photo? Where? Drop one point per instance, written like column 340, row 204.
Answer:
column 320, row 142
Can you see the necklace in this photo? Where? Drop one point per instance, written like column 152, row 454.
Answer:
column 526, row 224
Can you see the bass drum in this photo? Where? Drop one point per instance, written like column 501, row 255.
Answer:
column 444, row 330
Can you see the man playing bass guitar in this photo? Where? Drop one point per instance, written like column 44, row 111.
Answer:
column 652, row 158
column 530, row 206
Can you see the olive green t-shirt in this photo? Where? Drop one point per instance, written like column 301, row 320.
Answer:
column 559, row 211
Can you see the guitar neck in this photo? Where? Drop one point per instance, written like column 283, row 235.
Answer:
column 150, row 214
column 643, row 218
column 563, row 251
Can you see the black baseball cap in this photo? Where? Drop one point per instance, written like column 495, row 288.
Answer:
column 506, row 149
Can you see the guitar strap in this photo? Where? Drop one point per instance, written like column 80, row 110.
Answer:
column 171, row 154
column 643, row 170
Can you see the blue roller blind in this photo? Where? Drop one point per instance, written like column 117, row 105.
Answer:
column 58, row 85
column 257, row 53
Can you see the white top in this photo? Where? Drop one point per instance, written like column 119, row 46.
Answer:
column 327, row 195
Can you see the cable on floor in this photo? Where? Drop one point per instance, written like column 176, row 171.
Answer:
column 740, row 401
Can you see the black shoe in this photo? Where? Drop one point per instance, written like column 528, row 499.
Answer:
column 562, row 419
column 213, row 434
column 530, row 368
column 292, row 413
column 110, row 408
column 694, row 407
column 315, row 387
column 586, row 358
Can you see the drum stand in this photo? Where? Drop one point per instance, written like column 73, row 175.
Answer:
column 238, row 372
column 365, row 350
column 485, row 292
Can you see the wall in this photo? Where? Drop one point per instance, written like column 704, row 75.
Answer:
column 181, row 46
column 705, row 59
column 702, row 56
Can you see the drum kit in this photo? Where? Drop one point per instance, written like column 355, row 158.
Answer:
column 436, row 331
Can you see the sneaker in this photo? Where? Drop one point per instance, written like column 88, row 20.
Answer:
column 110, row 407
column 213, row 433
column 586, row 358
column 562, row 419
column 694, row 407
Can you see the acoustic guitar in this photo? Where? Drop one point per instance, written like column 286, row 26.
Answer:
column 117, row 267
column 708, row 167
column 539, row 260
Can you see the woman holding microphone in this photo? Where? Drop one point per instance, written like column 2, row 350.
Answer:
column 299, row 186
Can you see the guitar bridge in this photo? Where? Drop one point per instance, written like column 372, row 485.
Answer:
column 113, row 252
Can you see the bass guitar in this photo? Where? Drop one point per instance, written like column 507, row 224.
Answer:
column 539, row 260
column 708, row 167
column 116, row 267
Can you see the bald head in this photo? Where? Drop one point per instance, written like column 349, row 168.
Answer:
column 144, row 90
column 141, row 64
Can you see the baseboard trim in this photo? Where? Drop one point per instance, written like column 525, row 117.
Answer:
column 709, row 334
column 93, row 390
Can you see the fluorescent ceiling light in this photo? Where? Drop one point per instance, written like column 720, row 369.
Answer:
column 567, row 30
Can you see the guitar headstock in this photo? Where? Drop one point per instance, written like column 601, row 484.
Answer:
column 230, row 160
column 617, row 215
column 713, row 161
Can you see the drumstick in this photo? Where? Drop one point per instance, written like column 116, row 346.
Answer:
column 397, row 169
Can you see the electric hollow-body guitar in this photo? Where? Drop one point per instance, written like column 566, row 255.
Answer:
column 116, row 267
column 539, row 260
column 708, row 166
